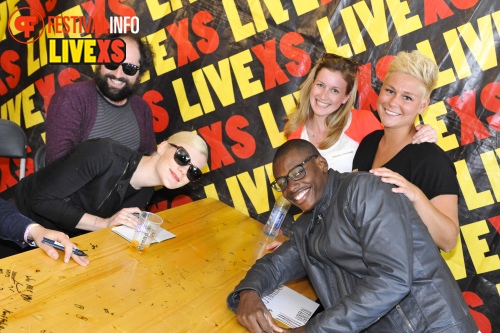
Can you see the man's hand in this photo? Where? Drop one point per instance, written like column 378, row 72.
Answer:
column 301, row 329
column 273, row 246
column 38, row 233
column 253, row 314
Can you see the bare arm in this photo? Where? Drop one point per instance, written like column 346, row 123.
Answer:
column 124, row 216
column 440, row 214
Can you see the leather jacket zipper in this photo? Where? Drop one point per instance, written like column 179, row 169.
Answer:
column 335, row 268
column 114, row 187
column 405, row 318
column 341, row 280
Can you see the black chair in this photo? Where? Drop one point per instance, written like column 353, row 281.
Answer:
column 39, row 157
column 13, row 143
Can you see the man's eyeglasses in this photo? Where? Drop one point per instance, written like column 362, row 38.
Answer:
column 351, row 62
column 182, row 158
column 296, row 173
column 128, row 69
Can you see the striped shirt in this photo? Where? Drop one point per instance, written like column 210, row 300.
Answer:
column 116, row 122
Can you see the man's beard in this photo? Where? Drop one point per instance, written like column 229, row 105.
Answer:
column 114, row 94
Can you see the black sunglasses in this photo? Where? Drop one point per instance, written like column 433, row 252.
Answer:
column 295, row 173
column 128, row 69
column 182, row 158
column 351, row 62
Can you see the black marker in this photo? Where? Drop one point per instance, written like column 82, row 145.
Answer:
column 59, row 246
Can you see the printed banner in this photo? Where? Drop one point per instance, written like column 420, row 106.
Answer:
column 230, row 70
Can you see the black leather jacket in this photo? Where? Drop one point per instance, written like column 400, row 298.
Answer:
column 371, row 261
column 93, row 178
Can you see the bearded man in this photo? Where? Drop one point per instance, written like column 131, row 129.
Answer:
column 105, row 106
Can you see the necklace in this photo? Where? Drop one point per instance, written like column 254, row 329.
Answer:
column 310, row 132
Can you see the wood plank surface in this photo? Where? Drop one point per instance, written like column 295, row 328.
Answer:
column 178, row 285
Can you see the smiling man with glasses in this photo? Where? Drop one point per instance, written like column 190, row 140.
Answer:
column 367, row 253
column 104, row 107
column 296, row 173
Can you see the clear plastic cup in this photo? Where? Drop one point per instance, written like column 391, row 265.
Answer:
column 146, row 230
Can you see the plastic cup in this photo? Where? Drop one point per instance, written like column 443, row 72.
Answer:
column 146, row 230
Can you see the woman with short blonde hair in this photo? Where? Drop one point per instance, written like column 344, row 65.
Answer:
column 423, row 173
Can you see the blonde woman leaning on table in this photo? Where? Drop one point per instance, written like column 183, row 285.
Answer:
column 101, row 183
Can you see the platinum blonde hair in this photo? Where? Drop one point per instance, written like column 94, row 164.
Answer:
column 191, row 139
column 419, row 66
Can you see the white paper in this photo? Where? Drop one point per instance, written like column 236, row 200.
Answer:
column 128, row 233
column 290, row 307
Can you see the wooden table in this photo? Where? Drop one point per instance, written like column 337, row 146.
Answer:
column 179, row 285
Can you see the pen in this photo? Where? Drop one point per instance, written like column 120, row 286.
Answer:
column 59, row 246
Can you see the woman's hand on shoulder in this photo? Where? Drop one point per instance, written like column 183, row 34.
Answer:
column 405, row 187
column 425, row 133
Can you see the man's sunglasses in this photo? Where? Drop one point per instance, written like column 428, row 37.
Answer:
column 128, row 69
column 351, row 62
column 296, row 173
column 182, row 158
